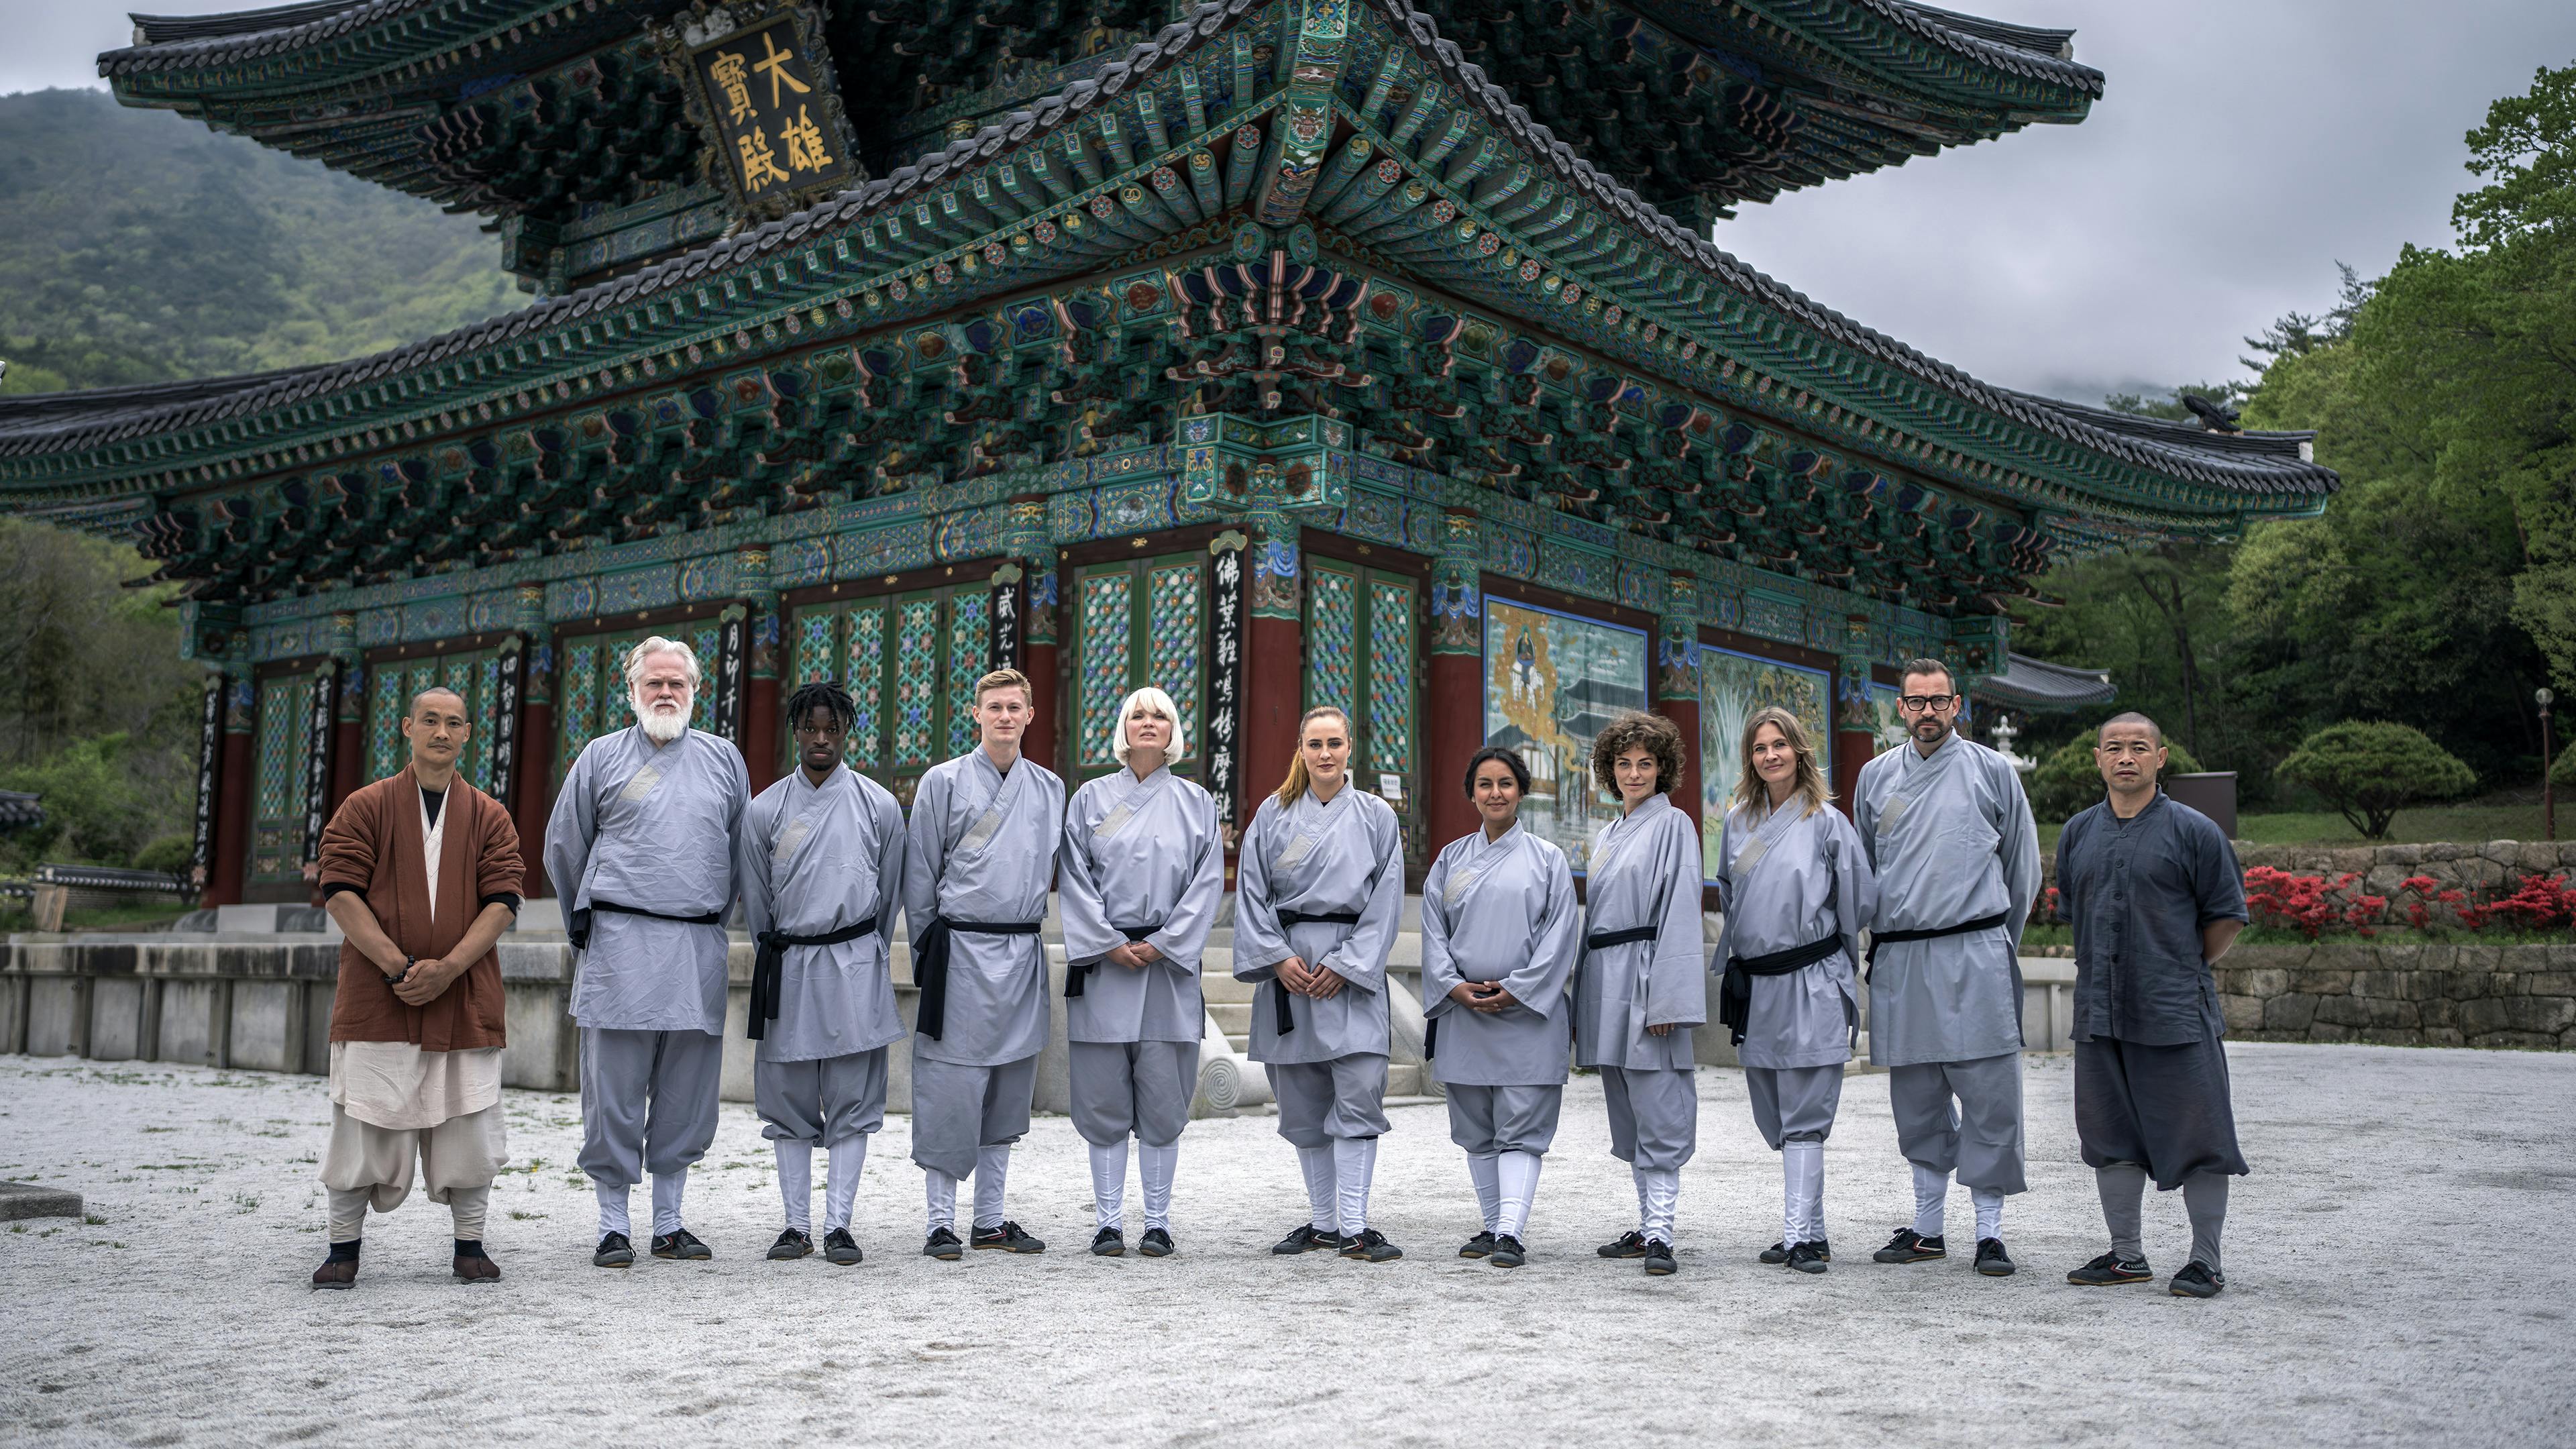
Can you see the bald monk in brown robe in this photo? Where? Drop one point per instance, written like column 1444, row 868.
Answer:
column 422, row 872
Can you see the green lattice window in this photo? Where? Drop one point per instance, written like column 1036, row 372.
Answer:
column 1362, row 634
column 909, row 661
column 1139, row 622
column 591, row 698
column 393, row 683
column 277, row 791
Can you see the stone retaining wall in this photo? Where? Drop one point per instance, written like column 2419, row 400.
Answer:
column 2402, row 995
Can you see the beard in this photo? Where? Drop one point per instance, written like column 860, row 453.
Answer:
column 662, row 724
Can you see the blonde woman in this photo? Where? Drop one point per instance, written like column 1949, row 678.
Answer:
column 1796, row 887
column 1319, row 884
column 1140, row 876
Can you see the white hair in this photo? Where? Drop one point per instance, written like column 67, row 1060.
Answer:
column 661, row 729
column 1155, row 702
column 656, row 644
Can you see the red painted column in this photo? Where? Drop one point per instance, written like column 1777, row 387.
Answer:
column 1043, row 664
column 1855, row 724
column 232, row 796
column 1274, row 661
column 1454, row 702
column 1677, row 683
column 764, row 629
column 534, row 789
column 349, row 716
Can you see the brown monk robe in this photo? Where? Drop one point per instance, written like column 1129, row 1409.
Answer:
column 422, row 871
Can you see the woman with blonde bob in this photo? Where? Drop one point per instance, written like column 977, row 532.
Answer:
column 1796, row 887
column 1319, row 893
column 1140, row 876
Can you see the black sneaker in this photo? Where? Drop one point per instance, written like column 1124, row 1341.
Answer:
column 2109, row 1270
column 839, row 1247
column 944, row 1245
column 790, row 1244
column 1508, row 1252
column 1370, row 1246
column 1659, row 1259
column 680, row 1243
column 1630, row 1245
column 1008, row 1238
column 1992, row 1260
column 1478, row 1246
column 1805, row 1257
column 1157, row 1243
column 2196, row 1280
column 614, row 1251
column 1909, row 1246
column 1776, row 1254
column 1107, row 1243
column 1304, row 1238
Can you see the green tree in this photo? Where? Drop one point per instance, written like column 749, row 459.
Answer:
column 2368, row 772
column 99, row 808
column 2067, row 781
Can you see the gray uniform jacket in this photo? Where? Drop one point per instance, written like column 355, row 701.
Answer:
column 1502, row 911
column 981, row 847
column 1645, row 871
column 1952, row 840
column 815, row 859
column 655, row 829
column 1784, row 880
column 1139, row 853
column 2137, row 892
column 1320, row 858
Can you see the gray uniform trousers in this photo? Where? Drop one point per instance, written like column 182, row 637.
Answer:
column 2165, row 1108
column 1979, row 1137
column 826, row 1101
column 1794, row 1104
column 1504, row 1119
column 1322, row 1101
column 648, row 1101
column 1139, row 1087
column 958, row 1110
column 1654, row 1116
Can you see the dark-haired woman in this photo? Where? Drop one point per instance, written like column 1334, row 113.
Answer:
column 1498, row 941
column 1640, row 987
column 1796, row 887
column 1319, row 881
column 821, row 866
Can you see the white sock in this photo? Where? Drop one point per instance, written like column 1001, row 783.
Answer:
column 1481, row 1166
column 1645, row 1212
column 1802, row 1192
column 1518, row 1174
column 939, row 1193
column 1323, row 1212
column 1109, row 1185
column 795, row 1181
column 841, row 1180
column 992, row 1173
column 667, row 1188
column 1354, row 1163
column 612, row 1208
column 1155, row 1165
column 1663, row 1195
column 349, row 1213
column 1990, row 1211
column 1931, row 1201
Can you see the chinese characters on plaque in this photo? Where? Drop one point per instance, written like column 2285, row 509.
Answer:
column 766, row 99
column 1225, row 658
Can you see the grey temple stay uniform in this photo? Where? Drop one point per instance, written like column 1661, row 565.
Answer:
column 653, row 829
column 981, row 849
column 2151, row 1091
column 1952, row 839
column 1644, row 872
column 815, row 860
column 1326, row 1058
column 1501, row 911
column 1142, row 860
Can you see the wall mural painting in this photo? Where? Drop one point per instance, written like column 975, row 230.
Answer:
column 1731, row 687
column 1886, row 725
column 1552, row 683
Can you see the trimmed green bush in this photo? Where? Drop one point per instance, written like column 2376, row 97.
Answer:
column 2068, row 781
column 2368, row 772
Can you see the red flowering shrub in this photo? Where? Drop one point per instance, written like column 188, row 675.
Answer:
column 2309, row 905
column 2541, row 902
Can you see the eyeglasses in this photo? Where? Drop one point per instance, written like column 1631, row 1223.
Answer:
column 1922, row 703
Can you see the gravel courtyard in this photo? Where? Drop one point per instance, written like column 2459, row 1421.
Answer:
column 2398, row 1274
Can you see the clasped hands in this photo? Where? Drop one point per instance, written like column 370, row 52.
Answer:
column 1487, row 996
column 1135, row 955
column 1320, row 982
column 424, row 980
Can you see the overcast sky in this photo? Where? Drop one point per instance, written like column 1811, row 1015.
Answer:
column 2242, row 147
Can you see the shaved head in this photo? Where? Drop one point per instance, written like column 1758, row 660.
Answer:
column 435, row 689
column 2131, row 717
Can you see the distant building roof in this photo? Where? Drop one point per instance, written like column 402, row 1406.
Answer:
column 2028, row 683
column 20, row 810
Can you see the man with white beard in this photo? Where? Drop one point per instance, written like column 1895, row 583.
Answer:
column 641, row 849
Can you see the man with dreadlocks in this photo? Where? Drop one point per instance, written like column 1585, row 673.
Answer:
column 821, row 866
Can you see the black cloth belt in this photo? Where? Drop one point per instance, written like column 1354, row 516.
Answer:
column 1281, row 996
column 1929, row 933
column 1076, row 976
column 1604, row 940
column 771, row 964
column 1735, row 994
column 577, row 925
column 930, row 965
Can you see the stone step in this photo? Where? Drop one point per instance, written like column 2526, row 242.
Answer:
column 1216, row 986
column 1234, row 1018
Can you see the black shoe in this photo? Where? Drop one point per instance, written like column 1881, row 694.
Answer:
column 2111, row 1269
column 1304, row 1238
column 2196, row 1280
column 839, row 1247
column 944, row 1245
column 1992, row 1260
column 1478, row 1246
column 1508, row 1252
column 1776, row 1254
column 1909, row 1246
column 1107, row 1243
column 1630, row 1245
column 1659, row 1259
column 790, row 1244
column 680, row 1243
column 1370, row 1246
column 1008, row 1238
column 1157, row 1243
column 614, row 1251
column 1805, row 1257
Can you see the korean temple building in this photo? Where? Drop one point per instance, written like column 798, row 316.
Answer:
column 1272, row 351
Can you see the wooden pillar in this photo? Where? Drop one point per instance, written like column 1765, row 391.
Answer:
column 1677, row 683
column 534, row 788
column 1029, row 545
column 1274, row 652
column 760, row 683
column 232, row 796
column 1855, row 723
column 349, row 724
column 1454, row 700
